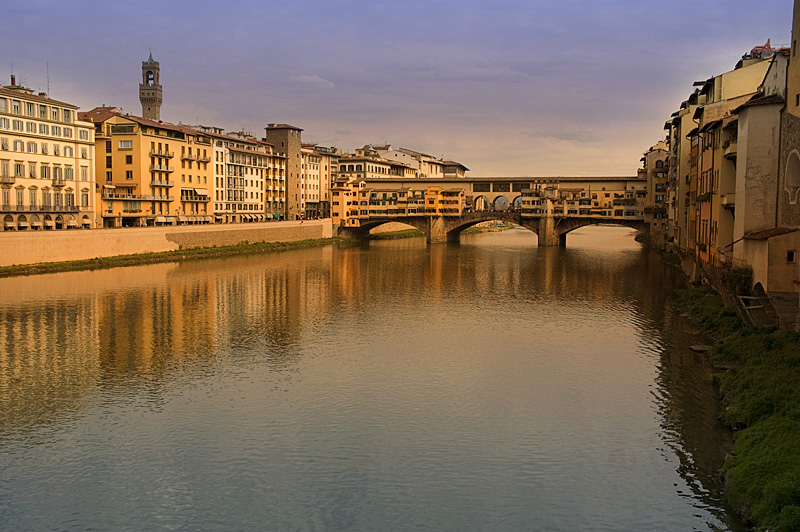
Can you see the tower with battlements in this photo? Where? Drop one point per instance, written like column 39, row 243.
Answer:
column 150, row 90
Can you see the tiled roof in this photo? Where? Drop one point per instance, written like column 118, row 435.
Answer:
column 769, row 233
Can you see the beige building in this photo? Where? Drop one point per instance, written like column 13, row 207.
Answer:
column 47, row 175
column 655, row 168
column 249, row 178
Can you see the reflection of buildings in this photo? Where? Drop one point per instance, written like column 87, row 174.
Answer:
column 49, row 354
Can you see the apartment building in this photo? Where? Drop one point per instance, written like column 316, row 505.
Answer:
column 47, row 177
column 152, row 173
column 249, row 178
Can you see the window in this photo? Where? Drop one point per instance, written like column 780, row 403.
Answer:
column 30, row 127
column 126, row 144
column 67, row 131
column 4, row 144
column 69, row 151
column 108, row 177
column 19, row 145
column 84, row 199
column 45, row 171
column 129, row 175
column 84, row 173
column 56, row 131
column 790, row 256
column 68, row 117
column 15, row 107
column 129, row 159
column 44, row 148
column 84, row 153
column 108, row 161
column 69, row 173
column 29, row 109
column 108, row 146
column 5, row 123
column 32, row 170
column 43, row 112
column 83, row 134
column 16, row 125
column 44, row 129
column 3, row 168
column 56, row 149
column 19, row 169
column 2, row 105
column 54, row 114
column 32, row 198
column 32, row 147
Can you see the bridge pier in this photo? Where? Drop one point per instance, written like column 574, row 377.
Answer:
column 548, row 235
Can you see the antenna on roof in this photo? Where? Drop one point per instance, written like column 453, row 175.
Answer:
column 47, row 66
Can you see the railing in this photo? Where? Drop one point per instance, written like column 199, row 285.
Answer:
column 8, row 180
column 131, row 197
column 166, row 154
column 161, row 183
column 161, row 168
column 58, row 181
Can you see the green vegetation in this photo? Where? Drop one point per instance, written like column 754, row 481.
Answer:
column 242, row 248
column 396, row 235
column 642, row 238
column 761, row 393
column 673, row 259
column 487, row 227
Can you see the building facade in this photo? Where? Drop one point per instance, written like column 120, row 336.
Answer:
column 47, row 175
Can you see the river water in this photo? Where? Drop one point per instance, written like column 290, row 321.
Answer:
column 486, row 386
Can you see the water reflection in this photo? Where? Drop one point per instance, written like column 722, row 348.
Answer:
column 492, row 364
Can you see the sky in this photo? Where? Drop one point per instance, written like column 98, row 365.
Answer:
column 506, row 87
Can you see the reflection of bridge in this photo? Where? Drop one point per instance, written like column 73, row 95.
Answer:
column 552, row 230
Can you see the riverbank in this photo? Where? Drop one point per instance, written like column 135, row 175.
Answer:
column 242, row 248
column 397, row 235
column 487, row 227
column 758, row 377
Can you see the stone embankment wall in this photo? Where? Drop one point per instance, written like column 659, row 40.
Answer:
column 32, row 247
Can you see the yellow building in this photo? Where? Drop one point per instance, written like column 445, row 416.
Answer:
column 47, row 177
column 151, row 173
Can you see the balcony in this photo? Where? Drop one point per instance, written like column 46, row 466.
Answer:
column 161, row 168
column 729, row 150
column 168, row 155
column 151, row 197
column 126, row 197
column 58, row 181
column 161, row 183
column 7, row 180
column 728, row 201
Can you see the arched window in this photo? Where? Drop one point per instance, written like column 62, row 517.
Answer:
column 659, row 164
column 792, row 181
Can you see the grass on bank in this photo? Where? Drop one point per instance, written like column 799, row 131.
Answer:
column 761, row 393
column 397, row 235
column 242, row 248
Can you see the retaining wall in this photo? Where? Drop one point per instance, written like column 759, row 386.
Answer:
column 31, row 247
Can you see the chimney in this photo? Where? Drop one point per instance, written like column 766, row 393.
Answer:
column 13, row 80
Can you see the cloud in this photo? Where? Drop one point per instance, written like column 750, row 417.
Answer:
column 313, row 81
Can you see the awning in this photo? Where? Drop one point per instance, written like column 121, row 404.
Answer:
column 11, row 225
column 219, row 217
column 36, row 224
column 87, row 222
column 160, row 220
column 171, row 219
column 201, row 191
column 109, row 186
column 182, row 218
column 72, row 223
column 23, row 224
column 49, row 223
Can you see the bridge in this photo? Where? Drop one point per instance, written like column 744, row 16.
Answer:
column 552, row 230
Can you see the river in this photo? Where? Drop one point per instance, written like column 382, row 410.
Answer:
column 486, row 386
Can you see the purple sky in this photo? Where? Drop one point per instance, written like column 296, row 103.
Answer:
column 507, row 87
